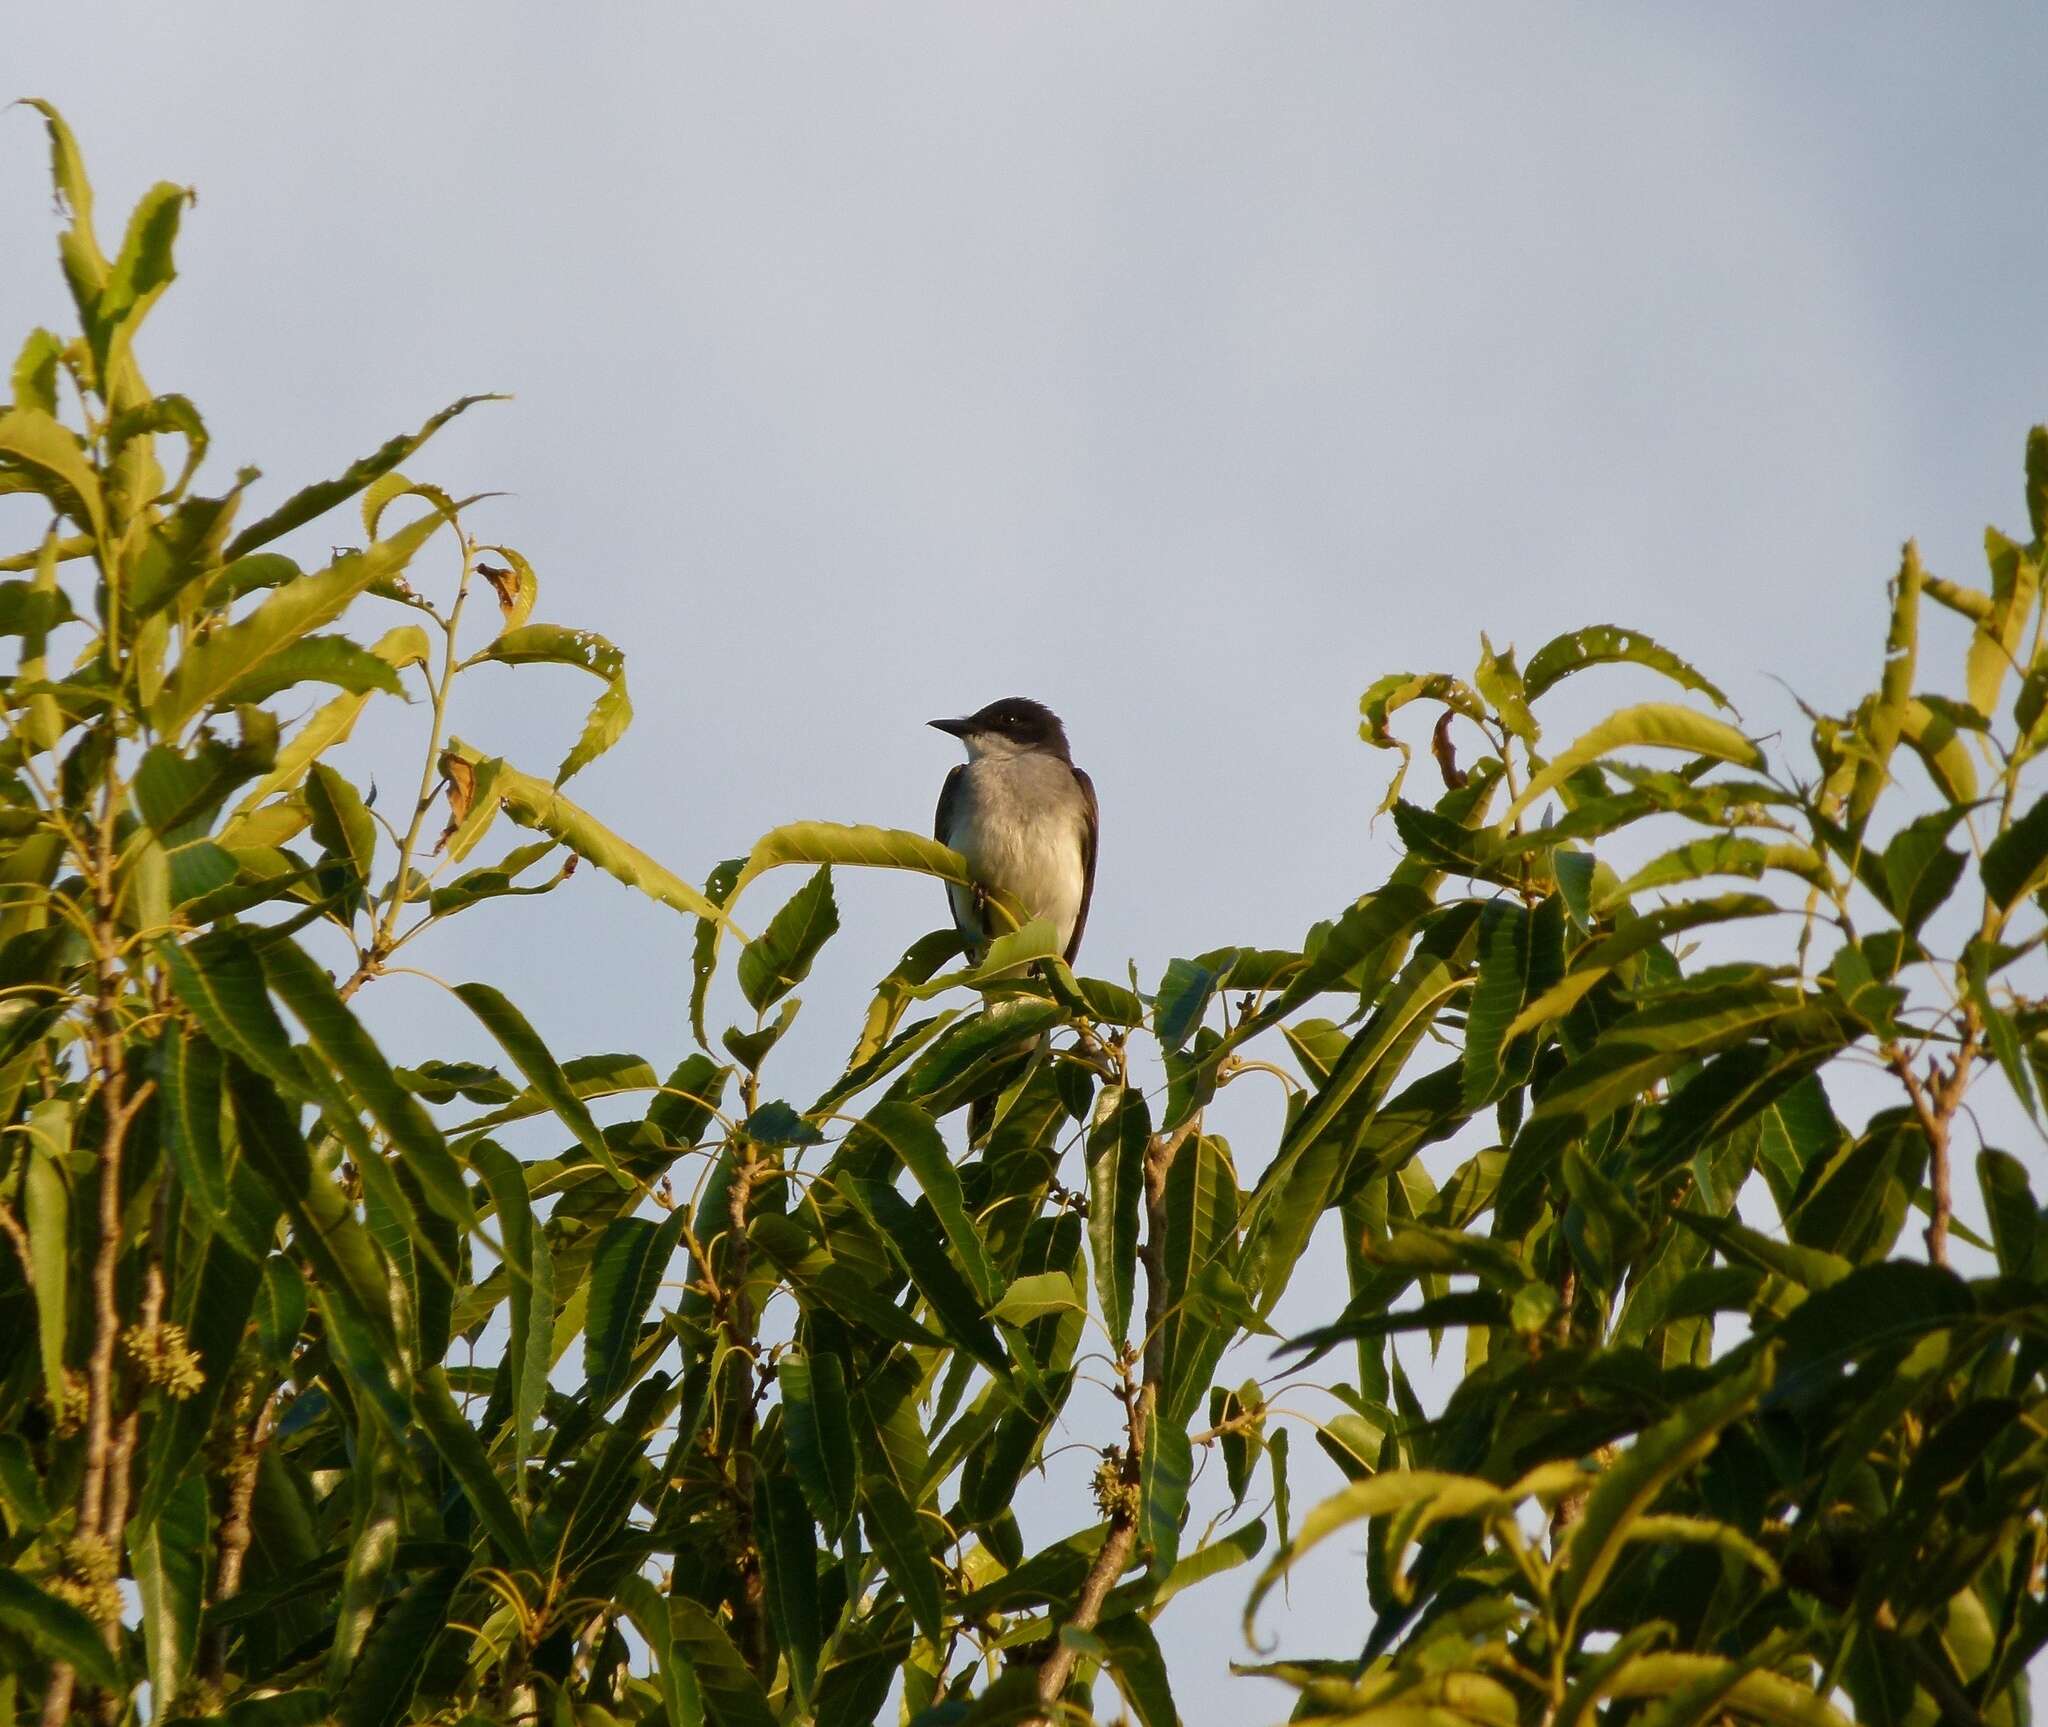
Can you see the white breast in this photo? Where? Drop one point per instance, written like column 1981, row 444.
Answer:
column 1021, row 826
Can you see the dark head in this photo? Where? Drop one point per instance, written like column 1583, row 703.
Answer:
column 1014, row 726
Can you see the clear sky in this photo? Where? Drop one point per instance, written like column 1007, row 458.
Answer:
column 1184, row 366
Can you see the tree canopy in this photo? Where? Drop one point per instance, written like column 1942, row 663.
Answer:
column 317, row 1402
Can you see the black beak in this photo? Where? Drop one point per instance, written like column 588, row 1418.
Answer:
column 953, row 728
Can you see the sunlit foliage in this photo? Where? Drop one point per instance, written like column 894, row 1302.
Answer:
column 319, row 1403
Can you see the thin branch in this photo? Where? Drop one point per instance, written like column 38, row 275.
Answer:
column 236, row 1530
column 1141, row 1408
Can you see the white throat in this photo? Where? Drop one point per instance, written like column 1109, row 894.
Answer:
column 994, row 747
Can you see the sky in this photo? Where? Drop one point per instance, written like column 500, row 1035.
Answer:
column 1186, row 367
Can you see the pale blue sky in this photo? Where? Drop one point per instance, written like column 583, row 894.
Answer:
column 1185, row 366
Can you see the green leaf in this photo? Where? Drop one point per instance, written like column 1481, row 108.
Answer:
column 21, row 1485
column 650, row 1613
column 1711, row 1688
column 1854, row 1202
column 342, row 825
column 732, row 1695
column 897, row 1535
column 47, row 1209
column 1183, row 998
column 952, row 1298
column 533, row 803
column 1116, row 1189
column 1035, row 1296
column 1650, row 725
column 2001, row 1032
column 328, row 727
column 824, row 1286
column 381, row 1684
column 552, row 644
column 1927, row 724
column 58, row 1629
column 1292, row 1192
column 44, row 450
column 1642, row 1048
column 818, row 1429
column 1165, row 1474
column 1375, row 1496
column 169, row 1558
column 1139, row 1669
column 315, row 660
column 2010, row 1207
column 35, row 371
column 1630, row 1485
column 530, row 1265
column 1720, row 854
column 316, row 500
column 790, row 1566
column 914, row 1137
column 463, row 1452
column 779, row 959
column 1808, row 1267
column 1919, row 870
column 2015, row 862
column 141, row 271
column 347, row 1047
column 1505, row 690
column 217, row 662
column 1377, row 924
column 84, row 264
column 498, row 880
column 374, row 1485
column 833, row 843
column 280, row 1308
column 1508, row 979
column 1388, row 695
column 531, row 1056
column 1875, row 1310
column 1603, row 1229
column 1604, row 644
column 1997, row 641
column 632, row 1258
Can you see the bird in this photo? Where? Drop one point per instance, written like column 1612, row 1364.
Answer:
column 1025, row 819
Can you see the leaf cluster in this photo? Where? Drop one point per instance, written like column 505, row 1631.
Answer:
column 354, row 1384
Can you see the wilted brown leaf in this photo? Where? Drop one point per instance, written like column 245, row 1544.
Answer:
column 460, row 777
column 1446, row 752
column 504, row 584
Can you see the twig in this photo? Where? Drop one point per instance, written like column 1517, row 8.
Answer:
column 1935, row 1101
column 10, row 1226
column 749, row 1627
column 1141, row 1407
column 236, row 1531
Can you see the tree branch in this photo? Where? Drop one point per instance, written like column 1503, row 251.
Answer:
column 1140, row 1409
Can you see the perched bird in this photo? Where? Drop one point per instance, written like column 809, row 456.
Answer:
column 1024, row 818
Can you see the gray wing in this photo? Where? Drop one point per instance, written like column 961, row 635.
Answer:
column 1088, row 837
column 951, row 796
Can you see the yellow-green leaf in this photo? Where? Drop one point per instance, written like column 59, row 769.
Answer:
column 1649, row 725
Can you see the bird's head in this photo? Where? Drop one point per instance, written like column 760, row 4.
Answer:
column 1014, row 726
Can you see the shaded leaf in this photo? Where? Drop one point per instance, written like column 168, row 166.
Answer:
column 543, row 1073
column 57, row 1628
column 779, row 959
column 631, row 1260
